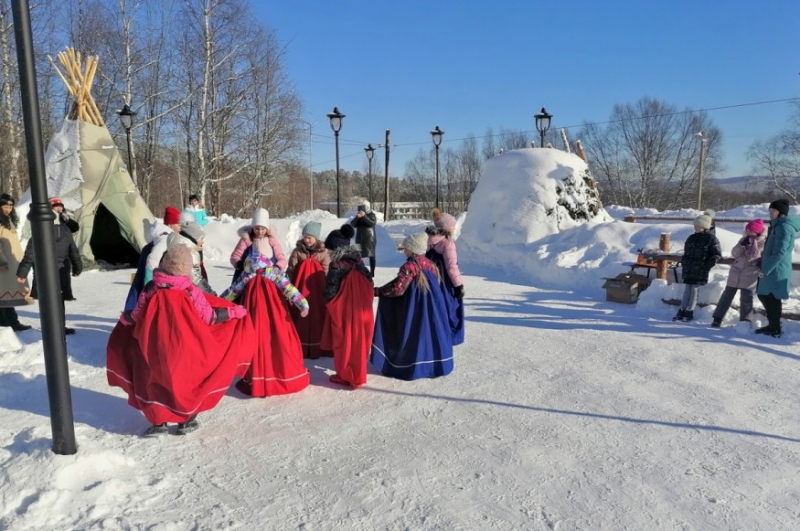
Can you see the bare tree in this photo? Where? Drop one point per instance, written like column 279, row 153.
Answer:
column 648, row 155
column 777, row 159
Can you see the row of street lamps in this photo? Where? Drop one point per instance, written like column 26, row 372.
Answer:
column 543, row 119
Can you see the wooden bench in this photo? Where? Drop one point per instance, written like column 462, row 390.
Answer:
column 643, row 262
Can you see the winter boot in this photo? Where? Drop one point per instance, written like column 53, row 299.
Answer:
column 68, row 331
column 155, row 430
column 679, row 316
column 19, row 327
column 688, row 315
column 716, row 323
column 189, row 426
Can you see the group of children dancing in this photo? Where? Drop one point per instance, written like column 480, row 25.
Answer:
column 178, row 346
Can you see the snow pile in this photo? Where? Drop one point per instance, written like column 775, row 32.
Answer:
column 525, row 195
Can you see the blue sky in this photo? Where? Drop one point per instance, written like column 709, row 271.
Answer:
column 466, row 65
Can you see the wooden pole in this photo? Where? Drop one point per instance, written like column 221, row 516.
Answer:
column 663, row 245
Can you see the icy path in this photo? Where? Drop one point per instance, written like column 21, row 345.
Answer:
column 562, row 413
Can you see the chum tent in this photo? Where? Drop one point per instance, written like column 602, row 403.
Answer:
column 84, row 169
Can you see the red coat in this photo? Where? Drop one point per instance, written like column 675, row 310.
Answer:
column 310, row 281
column 277, row 367
column 349, row 326
column 171, row 363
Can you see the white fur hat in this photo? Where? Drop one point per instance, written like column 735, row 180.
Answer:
column 710, row 213
column 366, row 204
column 260, row 218
column 416, row 243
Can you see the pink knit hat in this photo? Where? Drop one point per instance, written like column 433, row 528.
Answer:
column 757, row 226
column 444, row 221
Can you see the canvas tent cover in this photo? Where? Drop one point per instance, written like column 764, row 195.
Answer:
column 86, row 171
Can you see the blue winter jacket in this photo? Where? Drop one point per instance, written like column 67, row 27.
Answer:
column 199, row 214
column 776, row 260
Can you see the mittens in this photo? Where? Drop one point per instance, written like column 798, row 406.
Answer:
column 458, row 292
column 236, row 312
column 304, row 313
column 125, row 319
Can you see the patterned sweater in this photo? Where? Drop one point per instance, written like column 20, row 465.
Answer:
column 413, row 267
column 256, row 264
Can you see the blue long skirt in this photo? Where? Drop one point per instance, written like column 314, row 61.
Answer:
column 455, row 306
column 412, row 336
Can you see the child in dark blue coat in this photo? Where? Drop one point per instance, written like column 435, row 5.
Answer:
column 700, row 253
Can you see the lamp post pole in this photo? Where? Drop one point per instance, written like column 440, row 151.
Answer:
column 542, row 124
column 370, row 151
column 702, row 138
column 436, row 135
column 336, row 119
column 310, row 159
column 126, row 117
column 44, row 256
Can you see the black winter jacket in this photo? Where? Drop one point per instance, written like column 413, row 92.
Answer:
column 700, row 253
column 65, row 250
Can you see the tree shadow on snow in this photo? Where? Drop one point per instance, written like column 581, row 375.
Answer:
column 566, row 311
column 600, row 416
column 100, row 410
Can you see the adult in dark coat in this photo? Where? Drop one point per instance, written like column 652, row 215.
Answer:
column 66, row 250
column 364, row 223
column 775, row 275
column 64, row 273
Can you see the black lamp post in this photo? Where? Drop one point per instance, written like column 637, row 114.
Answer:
column 542, row 124
column 370, row 151
column 336, row 124
column 126, row 117
column 44, row 256
column 436, row 135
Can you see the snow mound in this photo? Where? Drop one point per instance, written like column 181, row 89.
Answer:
column 526, row 195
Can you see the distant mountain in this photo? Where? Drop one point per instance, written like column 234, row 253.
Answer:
column 746, row 183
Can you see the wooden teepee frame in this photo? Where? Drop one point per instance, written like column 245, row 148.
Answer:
column 78, row 78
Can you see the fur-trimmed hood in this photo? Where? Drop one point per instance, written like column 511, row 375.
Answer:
column 342, row 253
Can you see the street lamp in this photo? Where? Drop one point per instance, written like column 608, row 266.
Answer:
column 336, row 124
column 436, row 135
column 702, row 137
column 126, row 117
column 370, row 151
column 542, row 124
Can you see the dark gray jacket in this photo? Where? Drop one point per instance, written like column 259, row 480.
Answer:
column 365, row 233
column 65, row 250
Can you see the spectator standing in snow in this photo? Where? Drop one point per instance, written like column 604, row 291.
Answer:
column 12, row 293
column 364, row 223
column 196, row 210
column 743, row 275
column 700, row 253
column 65, row 273
column 713, row 215
column 66, row 250
column 776, row 265
column 442, row 252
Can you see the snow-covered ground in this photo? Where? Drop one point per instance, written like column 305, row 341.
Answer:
column 564, row 412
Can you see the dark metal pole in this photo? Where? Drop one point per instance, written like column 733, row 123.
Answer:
column 386, row 182
column 131, row 169
column 371, row 199
column 541, row 137
column 437, row 177
column 338, row 200
column 41, row 217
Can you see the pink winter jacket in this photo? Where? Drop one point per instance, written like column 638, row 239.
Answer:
column 447, row 248
column 746, row 256
column 163, row 281
column 278, row 258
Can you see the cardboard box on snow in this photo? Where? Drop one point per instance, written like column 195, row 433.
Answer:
column 625, row 287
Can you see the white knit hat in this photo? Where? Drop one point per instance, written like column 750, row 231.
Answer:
column 366, row 205
column 702, row 222
column 260, row 218
column 416, row 243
